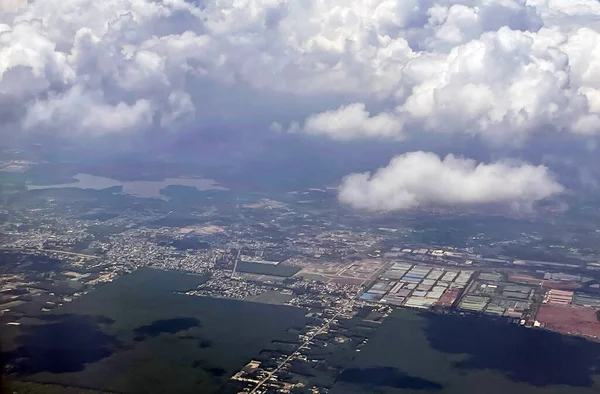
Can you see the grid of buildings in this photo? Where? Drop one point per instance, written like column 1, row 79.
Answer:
column 491, row 293
column 418, row 285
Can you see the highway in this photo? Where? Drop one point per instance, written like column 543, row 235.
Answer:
column 235, row 263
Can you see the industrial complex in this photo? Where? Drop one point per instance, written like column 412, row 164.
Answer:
column 533, row 298
column 417, row 286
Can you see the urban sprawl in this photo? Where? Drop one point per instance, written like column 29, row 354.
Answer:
column 57, row 251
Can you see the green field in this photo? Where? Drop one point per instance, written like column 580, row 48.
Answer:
column 267, row 269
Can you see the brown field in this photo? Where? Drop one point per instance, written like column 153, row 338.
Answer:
column 560, row 285
column 521, row 278
column 346, row 281
column 346, row 273
column 571, row 320
column 364, row 269
column 448, row 298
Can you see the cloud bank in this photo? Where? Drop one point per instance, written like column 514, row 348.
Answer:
column 11, row 6
column 420, row 178
column 380, row 68
column 502, row 71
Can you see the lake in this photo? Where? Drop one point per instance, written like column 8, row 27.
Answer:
column 146, row 189
column 137, row 335
column 418, row 353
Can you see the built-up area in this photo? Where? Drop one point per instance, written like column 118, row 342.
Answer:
column 533, row 298
column 344, row 270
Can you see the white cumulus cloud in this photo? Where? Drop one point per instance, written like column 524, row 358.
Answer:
column 353, row 121
column 424, row 179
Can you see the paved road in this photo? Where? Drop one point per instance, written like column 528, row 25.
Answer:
column 297, row 352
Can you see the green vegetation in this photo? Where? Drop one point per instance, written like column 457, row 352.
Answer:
column 267, row 269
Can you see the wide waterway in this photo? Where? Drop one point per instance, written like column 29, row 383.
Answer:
column 147, row 189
